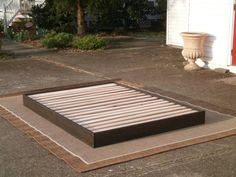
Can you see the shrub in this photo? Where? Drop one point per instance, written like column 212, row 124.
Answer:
column 57, row 40
column 10, row 33
column 54, row 15
column 89, row 42
column 1, row 26
column 40, row 33
column 21, row 36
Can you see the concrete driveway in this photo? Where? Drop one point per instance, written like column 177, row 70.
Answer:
column 144, row 62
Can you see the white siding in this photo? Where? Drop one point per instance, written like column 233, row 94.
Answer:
column 6, row 2
column 177, row 20
column 214, row 17
column 37, row 2
column 1, row 7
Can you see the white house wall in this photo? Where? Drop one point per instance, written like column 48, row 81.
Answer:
column 2, row 2
column 37, row 2
column 214, row 17
column 177, row 21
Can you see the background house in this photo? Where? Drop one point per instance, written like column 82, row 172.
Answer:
column 2, row 2
column 215, row 17
column 10, row 9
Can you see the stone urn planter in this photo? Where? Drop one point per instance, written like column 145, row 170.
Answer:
column 193, row 49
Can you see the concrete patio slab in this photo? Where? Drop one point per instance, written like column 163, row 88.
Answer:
column 22, row 75
column 217, row 126
column 24, row 50
column 154, row 69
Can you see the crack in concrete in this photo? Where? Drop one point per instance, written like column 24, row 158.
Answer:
column 78, row 70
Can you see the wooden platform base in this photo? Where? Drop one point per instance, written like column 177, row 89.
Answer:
column 108, row 112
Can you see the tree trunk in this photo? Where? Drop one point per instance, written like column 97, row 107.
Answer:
column 80, row 19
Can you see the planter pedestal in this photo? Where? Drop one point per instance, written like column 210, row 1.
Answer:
column 193, row 49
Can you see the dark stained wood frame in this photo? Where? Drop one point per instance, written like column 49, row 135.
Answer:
column 115, row 135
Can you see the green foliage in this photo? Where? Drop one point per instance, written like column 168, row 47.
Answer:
column 61, row 40
column 18, row 25
column 61, row 15
column 19, row 31
column 117, row 13
column 162, row 6
column 10, row 33
column 57, row 40
column 78, row 7
column 41, row 32
column 21, row 36
column 1, row 26
column 89, row 42
column 161, row 9
column 55, row 16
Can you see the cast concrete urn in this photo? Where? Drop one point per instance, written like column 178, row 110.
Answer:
column 193, row 49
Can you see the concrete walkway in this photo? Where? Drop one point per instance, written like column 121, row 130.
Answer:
column 147, row 63
column 24, row 50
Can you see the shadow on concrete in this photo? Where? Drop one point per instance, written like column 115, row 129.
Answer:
column 134, row 42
